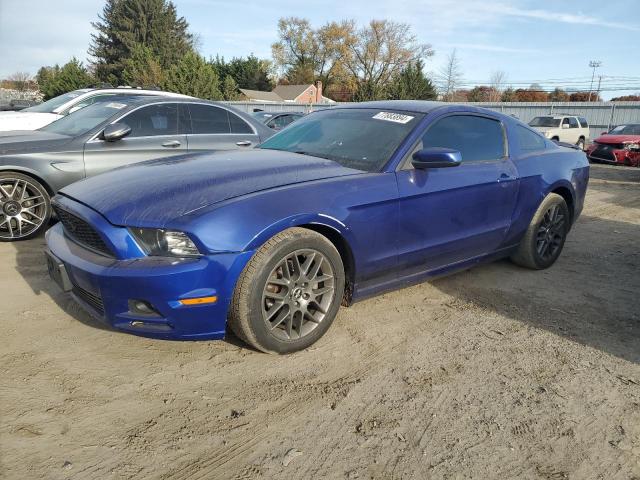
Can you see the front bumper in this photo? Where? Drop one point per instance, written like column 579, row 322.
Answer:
column 104, row 286
column 615, row 156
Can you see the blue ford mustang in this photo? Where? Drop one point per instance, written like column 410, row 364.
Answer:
column 345, row 203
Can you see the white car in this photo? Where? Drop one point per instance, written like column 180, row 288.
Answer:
column 563, row 128
column 43, row 114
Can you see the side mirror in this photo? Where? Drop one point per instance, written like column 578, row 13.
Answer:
column 565, row 125
column 115, row 131
column 436, row 157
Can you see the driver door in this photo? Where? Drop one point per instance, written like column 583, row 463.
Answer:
column 448, row 215
column 156, row 132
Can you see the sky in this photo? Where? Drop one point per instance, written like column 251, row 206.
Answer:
column 549, row 41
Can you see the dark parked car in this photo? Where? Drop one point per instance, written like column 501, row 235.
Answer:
column 620, row 145
column 35, row 164
column 343, row 204
column 278, row 120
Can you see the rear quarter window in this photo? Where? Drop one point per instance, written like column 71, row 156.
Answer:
column 529, row 141
column 583, row 122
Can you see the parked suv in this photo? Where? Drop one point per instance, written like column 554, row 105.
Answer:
column 563, row 128
column 43, row 114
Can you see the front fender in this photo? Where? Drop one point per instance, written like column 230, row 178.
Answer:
column 303, row 219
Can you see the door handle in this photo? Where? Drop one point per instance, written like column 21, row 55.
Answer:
column 171, row 144
column 243, row 143
column 504, row 177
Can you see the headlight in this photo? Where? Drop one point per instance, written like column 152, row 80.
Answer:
column 165, row 243
column 547, row 134
column 632, row 146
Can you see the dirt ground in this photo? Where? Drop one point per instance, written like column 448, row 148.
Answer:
column 497, row 372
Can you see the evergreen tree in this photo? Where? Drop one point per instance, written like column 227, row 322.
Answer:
column 193, row 75
column 250, row 72
column 142, row 69
column 124, row 24
column 412, row 84
column 230, row 89
column 54, row 81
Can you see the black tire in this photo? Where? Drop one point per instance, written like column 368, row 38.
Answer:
column 32, row 200
column 543, row 228
column 555, row 139
column 580, row 144
column 248, row 311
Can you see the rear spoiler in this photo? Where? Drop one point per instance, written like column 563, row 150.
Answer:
column 566, row 145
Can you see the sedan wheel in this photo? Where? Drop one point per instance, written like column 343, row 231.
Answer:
column 288, row 293
column 25, row 208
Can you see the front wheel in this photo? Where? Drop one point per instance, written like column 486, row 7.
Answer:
column 289, row 293
column 545, row 237
column 25, row 207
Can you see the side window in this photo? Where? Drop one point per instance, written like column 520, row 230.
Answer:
column 565, row 121
column 208, row 119
column 153, row 120
column 238, row 125
column 583, row 122
column 529, row 141
column 476, row 138
column 573, row 122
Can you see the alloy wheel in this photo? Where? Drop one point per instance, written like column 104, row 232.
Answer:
column 23, row 208
column 551, row 233
column 298, row 294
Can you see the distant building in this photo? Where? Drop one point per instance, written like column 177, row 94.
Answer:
column 288, row 93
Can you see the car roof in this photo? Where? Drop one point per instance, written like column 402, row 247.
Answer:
column 418, row 106
column 133, row 91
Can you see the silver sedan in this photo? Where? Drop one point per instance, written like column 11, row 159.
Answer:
column 34, row 165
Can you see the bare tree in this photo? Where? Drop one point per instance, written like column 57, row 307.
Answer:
column 497, row 81
column 305, row 54
column 450, row 76
column 380, row 51
column 20, row 80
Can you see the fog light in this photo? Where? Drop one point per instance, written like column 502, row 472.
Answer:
column 140, row 307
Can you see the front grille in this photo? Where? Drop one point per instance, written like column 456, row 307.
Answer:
column 604, row 152
column 94, row 301
column 80, row 231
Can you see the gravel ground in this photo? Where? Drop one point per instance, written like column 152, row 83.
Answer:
column 496, row 372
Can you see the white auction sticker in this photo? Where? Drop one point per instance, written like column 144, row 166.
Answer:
column 393, row 117
column 116, row 105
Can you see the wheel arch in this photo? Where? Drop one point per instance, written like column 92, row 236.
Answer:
column 567, row 194
column 332, row 229
column 29, row 173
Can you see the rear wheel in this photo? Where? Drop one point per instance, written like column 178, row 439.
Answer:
column 25, row 207
column 289, row 293
column 545, row 237
column 580, row 144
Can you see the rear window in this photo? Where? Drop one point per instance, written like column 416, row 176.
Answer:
column 583, row 122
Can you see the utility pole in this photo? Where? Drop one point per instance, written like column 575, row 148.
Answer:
column 598, row 91
column 593, row 64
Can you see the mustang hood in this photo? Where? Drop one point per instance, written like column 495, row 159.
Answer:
column 29, row 141
column 25, row 120
column 149, row 194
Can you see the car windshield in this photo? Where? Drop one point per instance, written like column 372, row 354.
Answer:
column 84, row 120
column 363, row 139
column 626, row 130
column 50, row 105
column 545, row 122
